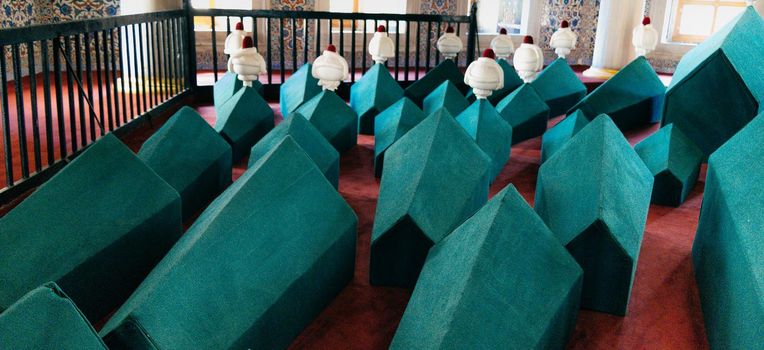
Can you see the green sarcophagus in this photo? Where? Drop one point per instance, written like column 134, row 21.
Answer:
column 559, row 86
column 594, row 195
column 243, row 120
column 193, row 158
column 391, row 125
column 490, row 131
column 445, row 96
column 445, row 71
column 728, row 252
column 718, row 86
column 526, row 112
column 264, row 259
column 674, row 160
column 96, row 229
column 435, row 177
column 371, row 94
column 559, row 135
column 298, row 89
column 225, row 88
column 333, row 118
column 500, row 280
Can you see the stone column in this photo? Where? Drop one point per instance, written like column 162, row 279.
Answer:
column 612, row 46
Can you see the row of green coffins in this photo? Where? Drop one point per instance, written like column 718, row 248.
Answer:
column 128, row 215
column 429, row 220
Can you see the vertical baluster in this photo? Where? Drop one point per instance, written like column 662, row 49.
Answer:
column 269, row 47
column 115, row 86
column 158, row 39
column 363, row 50
column 407, row 58
column 294, row 44
column 20, row 116
column 227, row 25
column 155, row 73
column 305, row 40
column 329, row 29
column 281, row 49
column 6, row 121
column 81, row 93
column 458, row 32
column 33, row 106
column 254, row 33
column 397, row 47
column 128, row 54
column 341, row 50
column 214, row 48
column 59, row 96
column 352, row 51
column 138, row 60
column 318, row 37
column 428, row 44
column 46, row 96
column 99, row 76
column 173, row 54
column 121, row 67
column 180, row 54
column 437, row 35
column 418, row 49
column 149, row 66
column 89, row 82
column 166, row 58
column 107, row 80
column 70, row 93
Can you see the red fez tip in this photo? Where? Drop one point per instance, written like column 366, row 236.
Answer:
column 381, row 29
column 239, row 26
column 489, row 53
column 331, row 48
column 450, row 29
column 503, row 31
column 564, row 24
column 646, row 21
column 528, row 39
column 247, row 42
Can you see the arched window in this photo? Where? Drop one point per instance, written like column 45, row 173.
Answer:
column 692, row 21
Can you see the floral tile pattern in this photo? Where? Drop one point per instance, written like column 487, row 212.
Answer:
column 582, row 16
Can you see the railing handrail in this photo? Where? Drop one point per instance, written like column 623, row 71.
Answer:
column 329, row 15
column 19, row 35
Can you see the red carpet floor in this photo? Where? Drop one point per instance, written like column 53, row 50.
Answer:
column 664, row 310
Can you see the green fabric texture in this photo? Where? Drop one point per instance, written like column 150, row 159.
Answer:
column 244, row 120
column 298, row 89
column 526, row 112
column 674, row 160
column 594, row 195
column 559, row 86
column 193, row 158
column 445, row 96
column 310, row 140
column 501, row 280
column 512, row 81
column 718, row 86
column 371, row 94
column 435, row 177
column 225, row 88
column 391, row 125
column 491, row 132
column 96, row 228
column 728, row 252
column 333, row 118
column 633, row 97
column 46, row 318
column 559, row 135
column 445, row 71
column 257, row 267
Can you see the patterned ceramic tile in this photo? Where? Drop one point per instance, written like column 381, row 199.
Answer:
column 582, row 16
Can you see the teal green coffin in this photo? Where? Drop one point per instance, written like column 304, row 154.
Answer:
column 445, row 71
column 511, row 82
column 228, row 85
column 728, row 252
column 310, row 140
column 333, row 118
column 594, row 195
column 674, row 160
column 96, row 229
column 435, row 177
column 500, row 280
column 372, row 94
column 193, row 158
column 632, row 98
column 490, row 131
column 559, row 135
column 445, row 96
column 559, row 86
column 257, row 267
column 298, row 89
column 526, row 112
column 391, row 125
column 225, row 88
column 243, row 120
column 46, row 318
column 718, row 86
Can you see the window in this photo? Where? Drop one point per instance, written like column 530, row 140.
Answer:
column 492, row 15
column 205, row 23
column 696, row 20
column 366, row 6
